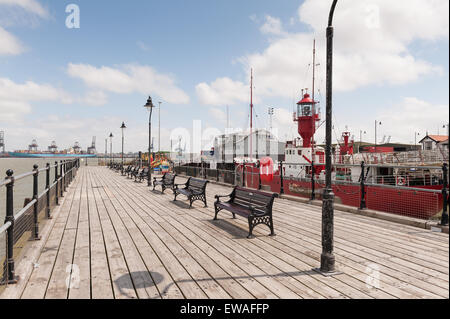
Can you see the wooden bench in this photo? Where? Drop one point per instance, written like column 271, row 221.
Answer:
column 143, row 174
column 194, row 189
column 167, row 181
column 254, row 205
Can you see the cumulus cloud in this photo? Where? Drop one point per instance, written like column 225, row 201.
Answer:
column 9, row 44
column 223, row 91
column 371, row 47
column 413, row 115
column 15, row 98
column 129, row 79
column 13, row 12
column 272, row 26
column 32, row 6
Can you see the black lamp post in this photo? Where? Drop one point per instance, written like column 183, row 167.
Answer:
column 327, row 260
column 110, row 147
column 149, row 107
column 122, row 127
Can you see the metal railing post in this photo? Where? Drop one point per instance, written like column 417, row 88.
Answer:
column 61, row 177
column 259, row 175
column 36, row 199
column 313, row 182
column 47, row 187
column 11, row 278
column 444, row 218
column 56, row 183
column 363, row 188
column 65, row 174
column 281, row 179
column 243, row 174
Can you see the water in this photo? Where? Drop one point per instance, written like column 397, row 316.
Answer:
column 24, row 188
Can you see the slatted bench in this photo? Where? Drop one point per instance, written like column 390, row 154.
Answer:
column 167, row 181
column 141, row 175
column 254, row 205
column 133, row 172
column 127, row 170
column 194, row 189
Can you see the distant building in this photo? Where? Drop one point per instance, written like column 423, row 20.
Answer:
column 227, row 147
column 433, row 142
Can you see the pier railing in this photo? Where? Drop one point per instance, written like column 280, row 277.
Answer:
column 23, row 225
column 424, row 196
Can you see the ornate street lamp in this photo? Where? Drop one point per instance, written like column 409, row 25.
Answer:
column 149, row 107
column 122, row 127
column 327, row 260
column 110, row 147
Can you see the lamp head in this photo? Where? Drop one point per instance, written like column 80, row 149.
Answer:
column 123, row 125
column 111, row 135
column 149, row 105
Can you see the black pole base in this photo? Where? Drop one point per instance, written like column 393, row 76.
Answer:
column 32, row 238
column 14, row 281
column 327, row 273
column 444, row 220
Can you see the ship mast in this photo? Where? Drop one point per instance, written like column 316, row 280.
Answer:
column 314, row 101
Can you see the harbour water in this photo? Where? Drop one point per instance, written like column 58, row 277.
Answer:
column 24, row 188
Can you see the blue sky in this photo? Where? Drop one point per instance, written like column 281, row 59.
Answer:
column 195, row 56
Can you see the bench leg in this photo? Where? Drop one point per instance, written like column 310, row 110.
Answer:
column 216, row 210
column 163, row 188
column 272, row 232
column 250, row 227
column 175, row 198
column 190, row 202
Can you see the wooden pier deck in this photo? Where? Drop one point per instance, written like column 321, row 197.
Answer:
column 126, row 241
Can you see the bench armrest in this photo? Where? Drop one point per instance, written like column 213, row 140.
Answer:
column 218, row 197
column 175, row 186
column 254, row 207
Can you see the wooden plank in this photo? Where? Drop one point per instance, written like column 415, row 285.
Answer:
column 81, row 260
column 38, row 282
column 119, row 273
column 100, row 272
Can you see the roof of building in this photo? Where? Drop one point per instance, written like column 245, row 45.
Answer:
column 436, row 138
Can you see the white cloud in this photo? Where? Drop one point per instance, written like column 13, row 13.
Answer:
column 9, row 44
column 371, row 47
column 15, row 98
column 272, row 26
column 32, row 6
column 95, row 98
column 129, row 79
column 223, row 91
column 13, row 12
column 413, row 115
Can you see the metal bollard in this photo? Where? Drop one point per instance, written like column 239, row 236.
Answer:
column 11, row 278
column 56, row 183
column 35, row 235
column 47, row 187
column 313, row 182
column 363, row 188
column 444, row 218
column 281, row 179
column 61, row 177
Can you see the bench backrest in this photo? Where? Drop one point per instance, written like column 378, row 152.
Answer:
column 197, row 184
column 245, row 197
column 144, row 171
column 169, row 178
